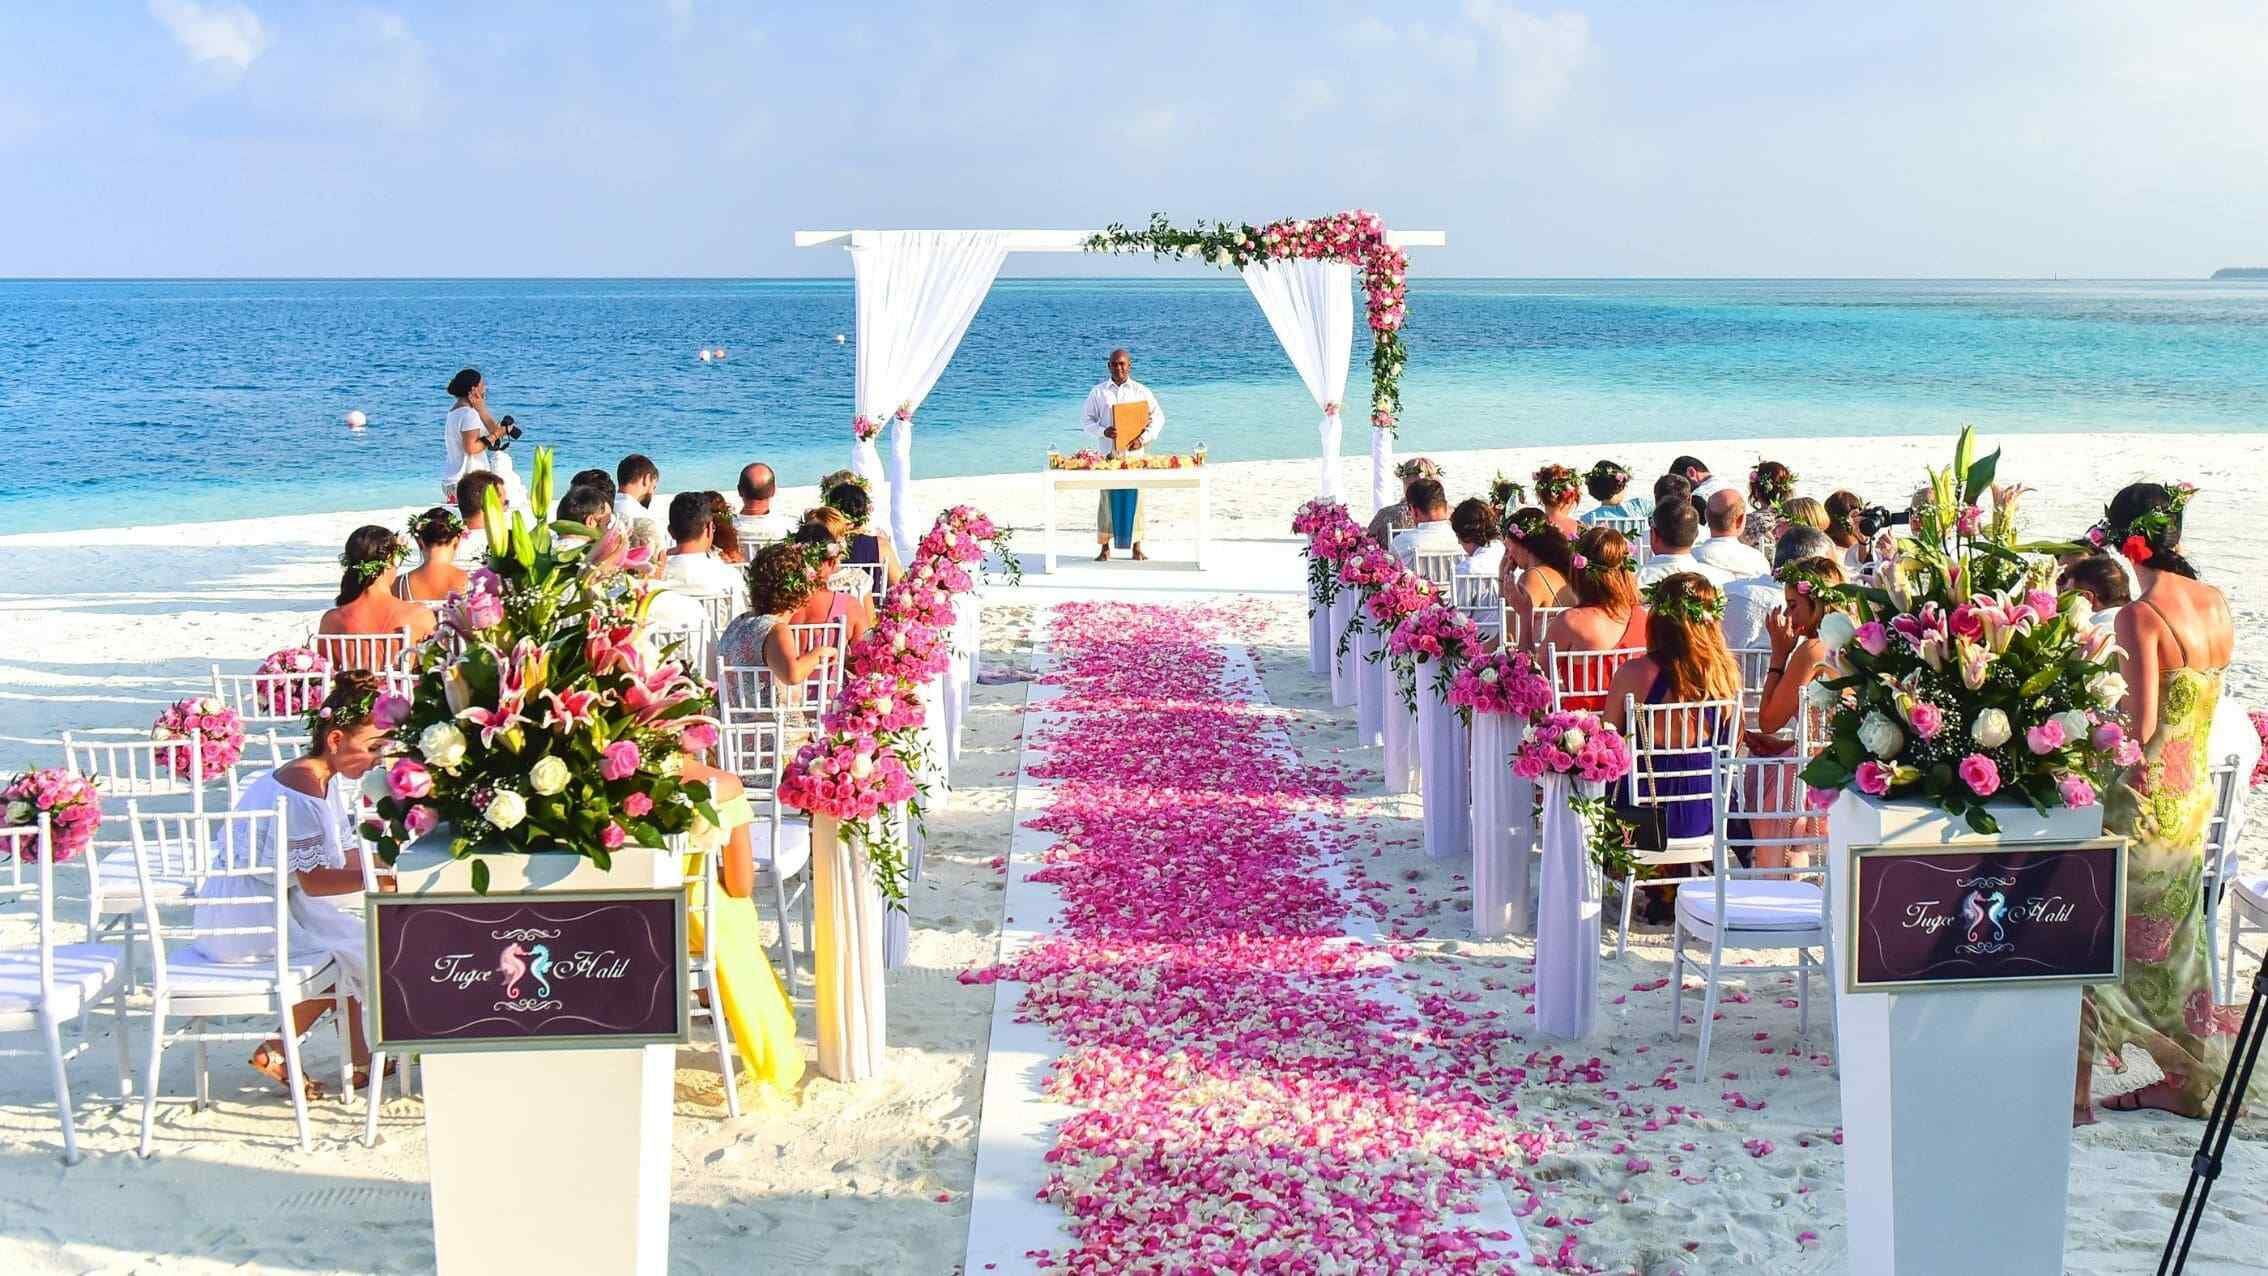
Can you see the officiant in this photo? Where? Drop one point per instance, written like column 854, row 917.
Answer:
column 1124, row 414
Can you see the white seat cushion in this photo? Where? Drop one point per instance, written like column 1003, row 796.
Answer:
column 121, row 893
column 795, row 845
column 191, row 975
column 1755, row 903
column 82, row 971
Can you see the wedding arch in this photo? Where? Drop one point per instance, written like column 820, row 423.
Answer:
column 915, row 292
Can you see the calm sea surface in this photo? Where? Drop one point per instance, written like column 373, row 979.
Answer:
column 137, row 402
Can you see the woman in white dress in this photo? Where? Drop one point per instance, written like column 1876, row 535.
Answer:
column 323, row 855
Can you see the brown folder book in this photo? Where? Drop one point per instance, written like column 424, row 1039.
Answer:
column 1127, row 421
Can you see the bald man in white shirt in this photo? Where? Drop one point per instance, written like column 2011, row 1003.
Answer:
column 1120, row 387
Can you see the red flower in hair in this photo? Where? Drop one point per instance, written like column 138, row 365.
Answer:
column 2136, row 550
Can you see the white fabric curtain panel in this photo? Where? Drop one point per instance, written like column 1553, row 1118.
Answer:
column 916, row 292
column 1310, row 304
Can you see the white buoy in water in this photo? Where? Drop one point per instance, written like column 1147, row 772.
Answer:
column 840, row 338
column 355, row 420
column 706, row 354
column 720, row 354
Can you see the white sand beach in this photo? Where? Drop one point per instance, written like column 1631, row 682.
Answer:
column 99, row 629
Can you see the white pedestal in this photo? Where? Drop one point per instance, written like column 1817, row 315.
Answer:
column 1401, row 755
column 1343, row 610
column 1370, row 692
column 1504, row 829
column 1567, row 916
column 848, row 956
column 1956, row 1103
column 1445, row 760
column 1319, row 635
column 548, row 1159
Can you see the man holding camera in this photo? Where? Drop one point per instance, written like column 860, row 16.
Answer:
column 476, row 440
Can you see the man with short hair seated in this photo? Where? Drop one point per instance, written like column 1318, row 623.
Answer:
column 758, row 522
column 1725, row 550
column 694, row 564
column 635, row 479
column 1675, row 526
column 1750, row 599
column 591, row 506
column 1429, row 516
column 472, row 502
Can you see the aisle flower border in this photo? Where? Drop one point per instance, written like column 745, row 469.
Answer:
column 1356, row 237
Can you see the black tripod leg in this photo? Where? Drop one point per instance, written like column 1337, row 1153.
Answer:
column 2205, row 1167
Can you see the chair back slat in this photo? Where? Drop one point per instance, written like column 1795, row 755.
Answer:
column 1579, row 679
column 718, row 609
column 1476, row 597
column 1675, row 743
column 1637, row 531
column 242, row 846
column 1755, row 667
column 372, row 653
column 263, row 699
column 2228, row 805
column 25, row 850
column 1438, row 566
column 1770, row 808
column 693, row 646
column 135, row 770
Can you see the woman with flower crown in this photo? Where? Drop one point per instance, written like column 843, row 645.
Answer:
column 1605, row 614
column 1798, row 658
column 1537, row 560
column 1608, row 482
column 438, row 532
column 322, row 853
column 779, row 581
column 1559, row 491
column 2176, row 640
column 366, row 602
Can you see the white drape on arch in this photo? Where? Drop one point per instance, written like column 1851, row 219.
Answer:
column 1310, row 304
column 916, row 292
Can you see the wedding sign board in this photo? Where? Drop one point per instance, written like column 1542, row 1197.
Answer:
column 562, row 969
column 1992, row 913
column 1127, row 421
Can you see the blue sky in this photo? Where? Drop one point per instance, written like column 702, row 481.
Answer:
column 689, row 137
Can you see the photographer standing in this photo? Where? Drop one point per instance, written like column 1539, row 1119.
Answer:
column 476, row 440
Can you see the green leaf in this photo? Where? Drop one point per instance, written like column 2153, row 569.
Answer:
column 480, row 877
column 2040, row 681
column 1849, row 751
column 1824, row 772
column 1982, row 820
column 600, row 857
column 1980, row 478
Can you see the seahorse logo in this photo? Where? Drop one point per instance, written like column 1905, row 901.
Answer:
column 540, row 967
column 1981, row 908
column 513, row 965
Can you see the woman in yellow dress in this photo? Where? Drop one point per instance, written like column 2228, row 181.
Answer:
column 748, row 992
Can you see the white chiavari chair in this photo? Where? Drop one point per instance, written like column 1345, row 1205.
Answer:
column 702, row 888
column 50, row 982
column 692, row 646
column 1743, row 907
column 247, row 847
column 382, row 653
column 757, row 750
column 833, row 637
column 1529, row 636
column 868, row 581
column 1439, row 566
column 719, row 609
column 1637, row 531
column 1676, row 755
column 1755, row 666
column 125, row 772
column 374, row 1095
column 1579, row 679
column 2248, row 896
column 271, row 699
column 1476, row 597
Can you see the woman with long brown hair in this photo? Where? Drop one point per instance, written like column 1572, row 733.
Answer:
column 1842, row 527
column 1537, row 560
column 1606, row 613
column 1686, row 661
column 1798, row 658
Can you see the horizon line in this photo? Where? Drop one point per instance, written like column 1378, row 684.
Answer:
column 629, row 278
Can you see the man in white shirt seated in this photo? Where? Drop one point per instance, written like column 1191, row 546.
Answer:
column 1675, row 526
column 1705, row 484
column 694, row 563
column 1749, row 600
column 758, row 522
column 635, row 479
column 668, row 606
column 1430, row 532
column 1724, row 550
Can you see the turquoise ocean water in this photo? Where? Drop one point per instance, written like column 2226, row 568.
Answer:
column 146, row 401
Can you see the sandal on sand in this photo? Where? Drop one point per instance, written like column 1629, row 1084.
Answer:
column 2134, row 1101
column 271, row 1064
column 362, row 1074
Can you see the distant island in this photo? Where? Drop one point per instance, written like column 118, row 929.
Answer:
column 2241, row 272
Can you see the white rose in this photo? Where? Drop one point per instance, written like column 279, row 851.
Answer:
column 442, row 746
column 1991, row 729
column 374, row 785
column 673, row 765
column 1489, row 675
column 2108, row 688
column 210, row 705
column 1881, row 736
column 861, row 767
column 506, row 809
column 21, row 813
column 548, row 776
column 1837, row 630
column 1571, row 740
column 2076, row 610
column 2074, row 723
column 161, row 733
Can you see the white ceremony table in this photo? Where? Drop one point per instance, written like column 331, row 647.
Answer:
column 1191, row 478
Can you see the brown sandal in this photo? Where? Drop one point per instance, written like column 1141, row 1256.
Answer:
column 362, row 1074
column 275, row 1067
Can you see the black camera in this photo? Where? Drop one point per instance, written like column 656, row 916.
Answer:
column 506, row 431
column 1870, row 519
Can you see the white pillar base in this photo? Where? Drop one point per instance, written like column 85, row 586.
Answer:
column 1370, row 693
column 1504, row 830
column 1445, row 760
column 1343, row 610
column 848, row 956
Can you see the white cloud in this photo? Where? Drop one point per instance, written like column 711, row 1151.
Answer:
column 1522, row 62
column 1538, row 55
column 228, row 37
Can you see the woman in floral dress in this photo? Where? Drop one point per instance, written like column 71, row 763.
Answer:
column 2176, row 639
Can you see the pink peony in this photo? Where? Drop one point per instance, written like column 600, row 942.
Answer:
column 2077, row 790
column 420, row 819
column 1872, row 638
column 700, row 737
column 613, row 836
column 409, row 781
column 2045, row 738
column 1873, row 778
column 1978, row 772
column 637, row 805
column 389, row 711
column 620, row 761
column 1926, row 719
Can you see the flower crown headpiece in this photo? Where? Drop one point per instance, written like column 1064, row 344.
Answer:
column 2139, row 540
column 1519, row 528
column 359, row 707
column 1772, row 492
column 850, row 479
column 1609, row 474
column 370, row 569
column 1690, row 608
column 1592, row 567
column 1417, row 467
column 1808, row 580
column 1506, row 494
column 1554, row 483
column 815, row 556
column 446, row 523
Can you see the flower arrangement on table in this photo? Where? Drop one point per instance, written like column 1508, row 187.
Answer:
column 220, row 743
column 1500, row 682
column 1961, row 676
column 291, row 681
column 1089, row 459
column 1355, row 237
column 557, row 726
column 1435, row 633
column 68, row 800
column 1580, row 745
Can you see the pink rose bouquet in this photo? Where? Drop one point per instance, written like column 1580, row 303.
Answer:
column 222, row 736
column 72, row 807
column 290, row 682
column 1503, row 682
column 1572, row 742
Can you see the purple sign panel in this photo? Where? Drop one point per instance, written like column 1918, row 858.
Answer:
column 584, row 968
column 2039, row 912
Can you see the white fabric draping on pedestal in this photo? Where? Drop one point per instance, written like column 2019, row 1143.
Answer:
column 848, row 955
column 1504, row 829
column 1370, row 692
column 1383, row 489
column 1343, row 611
column 935, row 775
column 916, row 291
column 897, row 923
column 1567, row 916
column 1401, row 753
column 1310, row 304
column 1320, row 639
column 1444, row 758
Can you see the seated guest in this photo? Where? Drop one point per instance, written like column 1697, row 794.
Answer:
column 757, row 522
column 1558, row 491
column 779, row 583
column 2101, row 580
column 846, row 578
column 1770, row 485
column 823, row 549
column 1674, row 527
column 588, row 504
column 1842, row 528
column 321, row 852
column 747, row 988
column 1605, row 613
column 846, row 494
column 1474, row 523
column 472, row 500
column 1749, row 600
column 1429, row 530
column 1671, row 487
column 694, row 563
column 1727, row 548
column 438, row 532
column 1798, row 657
column 1608, row 482
column 1803, row 511
column 366, row 602
column 1686, row 661
column 668, row 606
column 1705, row 484
column 599, row 479
column 1537, row 562
column 724, row 532
column 1395, row 517
column 635, row 479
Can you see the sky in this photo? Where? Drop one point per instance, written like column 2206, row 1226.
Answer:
column 691, row 137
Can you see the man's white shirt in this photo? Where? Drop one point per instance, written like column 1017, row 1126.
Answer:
column 763, row 528
column 1100, row 400
column 705, row 573
column 1663, row 566
column 1747, row 602
column 1426, row 538
column 1728, row 555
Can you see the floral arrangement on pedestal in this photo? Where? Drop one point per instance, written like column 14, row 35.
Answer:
column 1579, row 744
column 68, row 800
column 1960, row 677
column 868, row 749
column 1089, row 459
column 1500, row 682
column 1355, row 237
column 1435, row 633
column 220, row 736
column 290, row 681
column 1331, row 534
column 556, row 725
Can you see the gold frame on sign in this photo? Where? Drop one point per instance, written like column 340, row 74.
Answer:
column 1971, row 846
